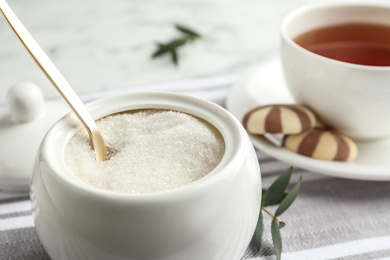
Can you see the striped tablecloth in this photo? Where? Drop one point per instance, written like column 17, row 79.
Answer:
column 332, row 218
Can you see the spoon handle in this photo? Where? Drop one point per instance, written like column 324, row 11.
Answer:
column 56, row 79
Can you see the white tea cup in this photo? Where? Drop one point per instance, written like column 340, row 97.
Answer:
column 211, row 218
column 352, row 98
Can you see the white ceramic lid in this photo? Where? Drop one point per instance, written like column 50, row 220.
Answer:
column 23, row 124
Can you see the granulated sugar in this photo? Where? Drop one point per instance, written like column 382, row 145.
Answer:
column 152, row 151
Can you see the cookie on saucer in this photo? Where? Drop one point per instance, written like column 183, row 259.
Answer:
column 322, row 144
column 279, row 119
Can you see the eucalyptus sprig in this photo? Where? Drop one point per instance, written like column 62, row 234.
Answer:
column 276, row 195
column 171, row 47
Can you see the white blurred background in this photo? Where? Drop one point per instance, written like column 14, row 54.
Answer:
column 107, row 44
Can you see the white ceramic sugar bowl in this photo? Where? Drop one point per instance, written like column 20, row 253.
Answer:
column 213, row 218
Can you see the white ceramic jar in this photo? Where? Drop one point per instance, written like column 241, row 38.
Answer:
column 213, row 218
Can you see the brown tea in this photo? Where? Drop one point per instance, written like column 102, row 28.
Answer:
column 359, row 43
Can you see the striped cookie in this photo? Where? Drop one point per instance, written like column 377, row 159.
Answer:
column 322, row 144
column 279, row 119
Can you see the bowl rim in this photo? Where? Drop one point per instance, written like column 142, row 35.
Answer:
column 230, row 128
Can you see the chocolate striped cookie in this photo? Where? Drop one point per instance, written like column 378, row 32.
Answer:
column 322, row 144
column 279, row 119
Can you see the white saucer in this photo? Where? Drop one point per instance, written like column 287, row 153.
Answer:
column 263, row 85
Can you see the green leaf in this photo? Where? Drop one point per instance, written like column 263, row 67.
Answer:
column 162, row 49
column 174, row 57
column 276, row 239
column 186, row 30
column 277, row 188
column 259, row 230
column 289, row 199
column 174, row 44
column 276, row 202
